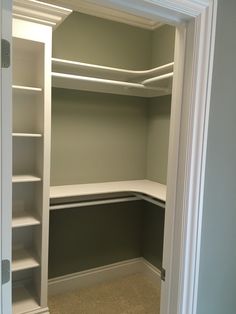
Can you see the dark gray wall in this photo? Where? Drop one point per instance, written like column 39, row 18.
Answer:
column 87, row 237
column 153, row 234
column 217, row 279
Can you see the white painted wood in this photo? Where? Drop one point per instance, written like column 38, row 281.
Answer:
column 147, row 187
column 25, row 178
column 5, row 157
column 39, row 12
column 103, row 274
column 23, row 300
column 26, row 89
column 23, row 219
column 32, row 99
column 91, row 77
column 94, row 203
column 26, row 135
column 85, row 83
column 23, row 259
column 96, row 9
column 94, row 70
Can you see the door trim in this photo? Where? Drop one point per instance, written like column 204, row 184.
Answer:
column 6, row 156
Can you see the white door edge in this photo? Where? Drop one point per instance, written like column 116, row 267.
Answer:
column 6, row 157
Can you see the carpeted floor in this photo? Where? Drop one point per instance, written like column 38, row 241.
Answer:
column 134, row 294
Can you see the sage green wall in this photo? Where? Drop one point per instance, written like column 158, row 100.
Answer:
column 163, row 44
column 217, row 278
column 91, row 39
column 158, row 138
column 97, row 137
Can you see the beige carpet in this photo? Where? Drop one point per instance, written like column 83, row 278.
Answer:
column 134, row 294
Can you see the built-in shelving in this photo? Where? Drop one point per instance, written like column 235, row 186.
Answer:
column 23, row 300
column 146, row 187
column 25, row 178
column 31, row 139
column 89, row 77
column 23, row 219
column 23, row 259
column 26, row 89
column 26, row 135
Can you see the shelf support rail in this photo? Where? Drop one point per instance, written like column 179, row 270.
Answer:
column 135, row 197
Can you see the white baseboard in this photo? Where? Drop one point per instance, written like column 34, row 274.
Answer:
column 102, row 274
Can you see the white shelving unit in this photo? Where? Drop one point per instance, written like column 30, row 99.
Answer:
column 31, row 147
column 111, row 192
column 150, row 188
column 89, row 77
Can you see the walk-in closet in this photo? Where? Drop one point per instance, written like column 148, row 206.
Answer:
column 90, row 132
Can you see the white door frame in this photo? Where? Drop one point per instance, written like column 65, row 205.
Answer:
column 5, row 158
column 195, row 21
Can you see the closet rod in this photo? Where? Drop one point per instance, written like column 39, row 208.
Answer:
column 150, row 200
column 157, row 78
column 96, row 202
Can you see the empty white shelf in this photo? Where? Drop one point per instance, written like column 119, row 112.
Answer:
column 23, row 219
column 85, row 83
column 29, row 89
column 110, row 73
column 23, row 300
column 90, row 77
column 147, row 187
column 23, row 259
column 25, row 178
column 26, row 135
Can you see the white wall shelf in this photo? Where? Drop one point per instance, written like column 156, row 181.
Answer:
column 26, row 135
column 26, row 89
column 25, row 178
column 23, row 300
column 89, row 77
column 31, row 64
column 24, row 219
column 23, row 259
column 147, row 187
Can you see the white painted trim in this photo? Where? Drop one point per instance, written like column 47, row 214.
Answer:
column 39, row 12
column 102, row 274
column 102, row 11
column 6, row 157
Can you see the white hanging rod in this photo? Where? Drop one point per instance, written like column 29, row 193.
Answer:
column 156, row 79
column 96, row 202
column 150, row 200
column 81, row 65
column 88, row 79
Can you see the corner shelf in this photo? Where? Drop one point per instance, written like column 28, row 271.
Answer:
column 23, row 259
column 27, row 135
column 24, row 219
column 26, row 89
column 145, row 187
column 89, row 77
column 25, row 178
